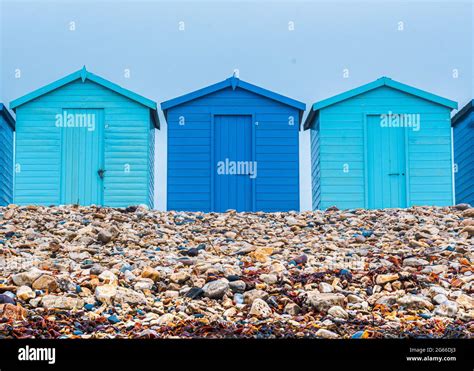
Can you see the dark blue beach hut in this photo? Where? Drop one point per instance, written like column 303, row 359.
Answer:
column 382, row 145
column 7, row 127
column 233, row 145
column 463, row 128
column 84, row 140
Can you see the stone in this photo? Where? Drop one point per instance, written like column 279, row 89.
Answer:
column 462, row 207
column 171, row 294
column 447, row 309
column 326, row 334
column 25, row 293
column 269, row 278
column 338, row 312
column 465, row 301
column 97, row 269
column 166, row 319
column 104, row 236
column 415, row 302
column 195, row 293
column 105, row 293
column 410, row 275
column 250, row 296
column 468, row 213
column 325, row 287
column 27, row 278
column 237, row 286
column 13, row 312
column 151, row 273
column 215, row 289
column 323, row 301
column 440, row 299
column 230, row 235
column 61, row 302
column 126, row 295
column 180, row 277
column 262, row 254
column 108, row 277
column 382, row 279
column 113, row 319
column 414, row 262
column 46, row 282
column 7, row 299
column 469, row 230
column 292, row 309
column 260, row 309
column 143, row 284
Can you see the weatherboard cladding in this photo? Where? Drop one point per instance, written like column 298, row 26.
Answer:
column 128, row 122
column 339, row 147
column 463, row 130
column 191, row 145
column 7, row 125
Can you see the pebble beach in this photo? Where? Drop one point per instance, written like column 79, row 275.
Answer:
column 91, row 272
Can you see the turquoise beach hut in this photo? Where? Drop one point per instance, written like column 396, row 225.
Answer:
column 233, row 145
column 7, row 127
column 382, row 145
column 84, row 140
column 463, row 127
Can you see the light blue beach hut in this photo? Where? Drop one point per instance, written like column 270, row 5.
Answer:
column 233, row 145
column 84, row 140
column 382, row 145
column 7, row 127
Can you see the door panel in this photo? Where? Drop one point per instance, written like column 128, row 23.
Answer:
column 232, row 143
column 386, row 165
column 82, row 156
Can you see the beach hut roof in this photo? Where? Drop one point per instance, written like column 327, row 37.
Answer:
column 383, row 81
column 84, row 75
column 462, row 113
column 232, row 82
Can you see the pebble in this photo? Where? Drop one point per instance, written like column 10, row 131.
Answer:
column 384, row 278
column 46, row 283
column 215, row 289
column 338, row 312
column 252, row 295
column 326, row 334
column 137, row 272
column 323, row 301
column 61, row 302
column 415, row 262
column 105, row 293
column 260, row 309
column 325, row 287
column 237, row 286
column 195, row 293
column 13, row 312
column 25, row 293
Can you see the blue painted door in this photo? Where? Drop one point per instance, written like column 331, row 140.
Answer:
column 232, row 153
column 82, row 157
column 386, row 165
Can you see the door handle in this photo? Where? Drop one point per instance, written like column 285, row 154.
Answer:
column 396, row 174
column 101, row 173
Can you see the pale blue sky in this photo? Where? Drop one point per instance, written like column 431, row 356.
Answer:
column 253, row 36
